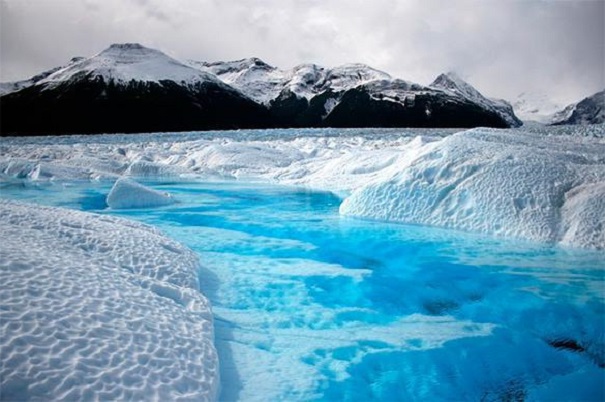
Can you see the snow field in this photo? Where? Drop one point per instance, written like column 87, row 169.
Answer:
column 98, row 307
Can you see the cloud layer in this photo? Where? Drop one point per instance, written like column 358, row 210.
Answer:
column 502, row 47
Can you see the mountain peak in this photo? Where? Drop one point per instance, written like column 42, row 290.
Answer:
column 129, row 52
column 127, row 46
column 452, row 82
column 125, row 62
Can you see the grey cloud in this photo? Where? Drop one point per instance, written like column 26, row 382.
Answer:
column 502, row 47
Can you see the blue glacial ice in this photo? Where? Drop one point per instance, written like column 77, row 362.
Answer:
column 309, row 304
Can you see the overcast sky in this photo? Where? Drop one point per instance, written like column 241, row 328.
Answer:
column 502, row 47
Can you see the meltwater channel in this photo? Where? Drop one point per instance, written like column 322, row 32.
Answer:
column 310, row 305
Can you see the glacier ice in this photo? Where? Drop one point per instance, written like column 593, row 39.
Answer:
column 499, row 183
column 127, row 193
column 100, row 308
column 540, row 184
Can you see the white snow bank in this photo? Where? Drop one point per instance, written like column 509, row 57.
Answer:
column 127, row 193
column 496, row 182
column 99, row 308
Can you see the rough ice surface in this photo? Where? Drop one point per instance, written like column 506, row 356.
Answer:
column 127, row 193
column 100, row 308
column 498, row 183
column 540, row 184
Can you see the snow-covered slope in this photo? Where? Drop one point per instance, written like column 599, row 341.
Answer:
column 164, row 94
column 10, row 87
column 264, row 83
column 125, row 62
column 308, row 94
column 530, row 106
column 100, row 308
column 451, row 82
column 541, row 185
column 590, row 110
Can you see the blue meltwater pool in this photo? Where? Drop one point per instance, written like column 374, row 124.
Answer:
column 309, row 305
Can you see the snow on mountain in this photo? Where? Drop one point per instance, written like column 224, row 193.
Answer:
column 452, row 83
column 264, row 83
column 139, row 89
column 10, row 87
column 311, row 95
column 122, row 63
column 128, row 88
column 253, row 77
column 531, row 106
column 590, row 110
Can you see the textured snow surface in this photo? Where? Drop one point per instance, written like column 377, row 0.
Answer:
column 495, row 182
column 100, row 308
column 543, row 184
column 127, row 193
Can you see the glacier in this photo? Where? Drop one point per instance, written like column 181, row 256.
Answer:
column 538, row 184
column 99, row 307
column 497, row 183
column 307, row 303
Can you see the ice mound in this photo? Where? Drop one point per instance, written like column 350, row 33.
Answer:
column 100, row 308
column 502, row 183
column 127, row 193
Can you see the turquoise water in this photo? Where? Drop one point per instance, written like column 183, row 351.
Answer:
column 312, row 306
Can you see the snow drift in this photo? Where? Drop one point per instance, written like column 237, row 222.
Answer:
column 100, row 308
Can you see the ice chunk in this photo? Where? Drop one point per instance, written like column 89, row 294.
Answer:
column 100, row 308
column 499, row 183
column 127, row 193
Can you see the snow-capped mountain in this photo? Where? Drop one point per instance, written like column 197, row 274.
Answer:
column 122, row 63
column 309, row 95
column 590, row 110
column 264, row 83
column 127, row 88
column 531, row 106
column 130, row 88
column 451, row 82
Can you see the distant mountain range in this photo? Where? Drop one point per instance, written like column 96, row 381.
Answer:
column 538, row 108
column 131, row 88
